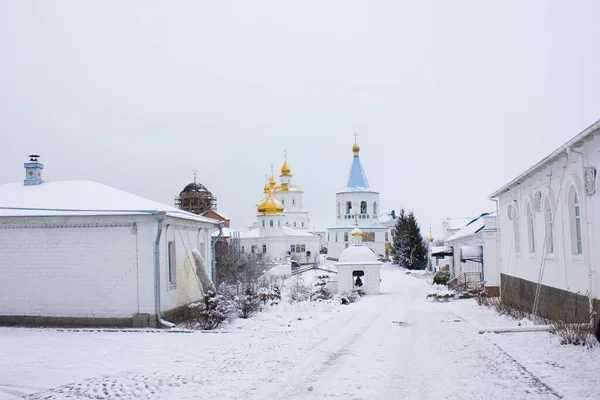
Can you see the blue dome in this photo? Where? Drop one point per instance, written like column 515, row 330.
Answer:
column 194, row 187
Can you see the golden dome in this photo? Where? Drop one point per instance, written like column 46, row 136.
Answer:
column 355, row 148
column 285, row 170
column 266, row 187
column 272, row 182
column 356, row 232
column 270, row 205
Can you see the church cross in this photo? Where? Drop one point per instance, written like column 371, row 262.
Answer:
column 355, row 217
column 285, row 153
column 195, row 171
column 355, row 137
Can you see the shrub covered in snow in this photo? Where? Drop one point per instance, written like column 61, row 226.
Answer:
column 351, row 297
column 441, row 277
column 320, row 291
column 212, row 311
column 296, row 289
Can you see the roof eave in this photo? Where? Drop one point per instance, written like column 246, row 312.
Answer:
column 555, row 154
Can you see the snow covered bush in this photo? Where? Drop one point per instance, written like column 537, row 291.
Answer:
column 248, row 303
column 441, row 277
column 297, row 290
column 212, row 311
column 321, row 292
column 351, row 297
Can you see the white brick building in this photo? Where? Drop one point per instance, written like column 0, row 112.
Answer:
column 78, row 252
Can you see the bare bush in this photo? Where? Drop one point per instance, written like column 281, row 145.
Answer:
column 576, row 334
column 235, row 268
column 504, row 308
column 297, row 289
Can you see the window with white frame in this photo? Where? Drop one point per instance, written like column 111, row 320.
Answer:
column 264, row 249
column 292, row 248
column 549, row 224
column 271, row 223
column 172, row 263
column 530, row 229
column 575, row 214
column 263, row 223
column 374, row 208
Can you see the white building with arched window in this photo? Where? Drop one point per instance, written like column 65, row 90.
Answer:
column 357, row 201
column 549, row 231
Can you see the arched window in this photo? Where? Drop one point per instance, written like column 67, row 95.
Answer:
column 293, row 201
column 375, row 208
column 348, row 207
column 575, row 214
column 515, row 213
column 263, row 223
column 549, row 225
column 283, row 202
column 271, row 223
column 530, row 229
column 363, row 207
column 278, row 222
column 338, row 208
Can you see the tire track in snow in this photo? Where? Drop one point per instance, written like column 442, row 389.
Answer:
column 537, row 383
column 323, row 357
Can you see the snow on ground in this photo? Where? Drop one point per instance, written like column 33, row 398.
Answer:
column 396, row 345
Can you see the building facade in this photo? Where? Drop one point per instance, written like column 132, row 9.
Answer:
column 549, row 223
column 281, row 227
column 358, row 200
column 78, row 252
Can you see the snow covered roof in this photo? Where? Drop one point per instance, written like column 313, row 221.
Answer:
column 576, row 141
column 357, row 254
column 473, row 227
column 441, row 251
column 69, row 198
column 456, row 223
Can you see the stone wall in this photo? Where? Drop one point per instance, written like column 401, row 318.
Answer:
column 553, row 303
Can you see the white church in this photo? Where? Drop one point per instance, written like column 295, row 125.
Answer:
column 281, row 229
column 358, row 200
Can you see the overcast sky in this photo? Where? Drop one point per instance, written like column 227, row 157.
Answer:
column 450, row 99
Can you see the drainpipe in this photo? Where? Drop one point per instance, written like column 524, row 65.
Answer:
column 498, row 242
column 213, row 261
column 160, row 217
column 591, row 272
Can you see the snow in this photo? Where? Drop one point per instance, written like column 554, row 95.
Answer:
column 396, row 345
column 357, row 253
column 470, row 229
column 79, row 198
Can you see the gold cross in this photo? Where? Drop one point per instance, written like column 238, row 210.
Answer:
column 355, row 217
column 285, row 153
column 355, row 137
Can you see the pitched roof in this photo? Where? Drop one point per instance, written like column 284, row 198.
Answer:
column 576, row 141
column 357, row 180
column 69, row 198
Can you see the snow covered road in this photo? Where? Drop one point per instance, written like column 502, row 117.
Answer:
column 393, row 346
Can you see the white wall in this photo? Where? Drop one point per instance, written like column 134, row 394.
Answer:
column 89, row 266
column 335, row 248
column 562, row 269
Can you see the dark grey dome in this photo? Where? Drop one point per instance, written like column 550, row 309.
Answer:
column 194, row 187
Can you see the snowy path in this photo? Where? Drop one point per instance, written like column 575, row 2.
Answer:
column 354, row 352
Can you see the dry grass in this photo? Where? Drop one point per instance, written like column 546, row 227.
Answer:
column 578, row 334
